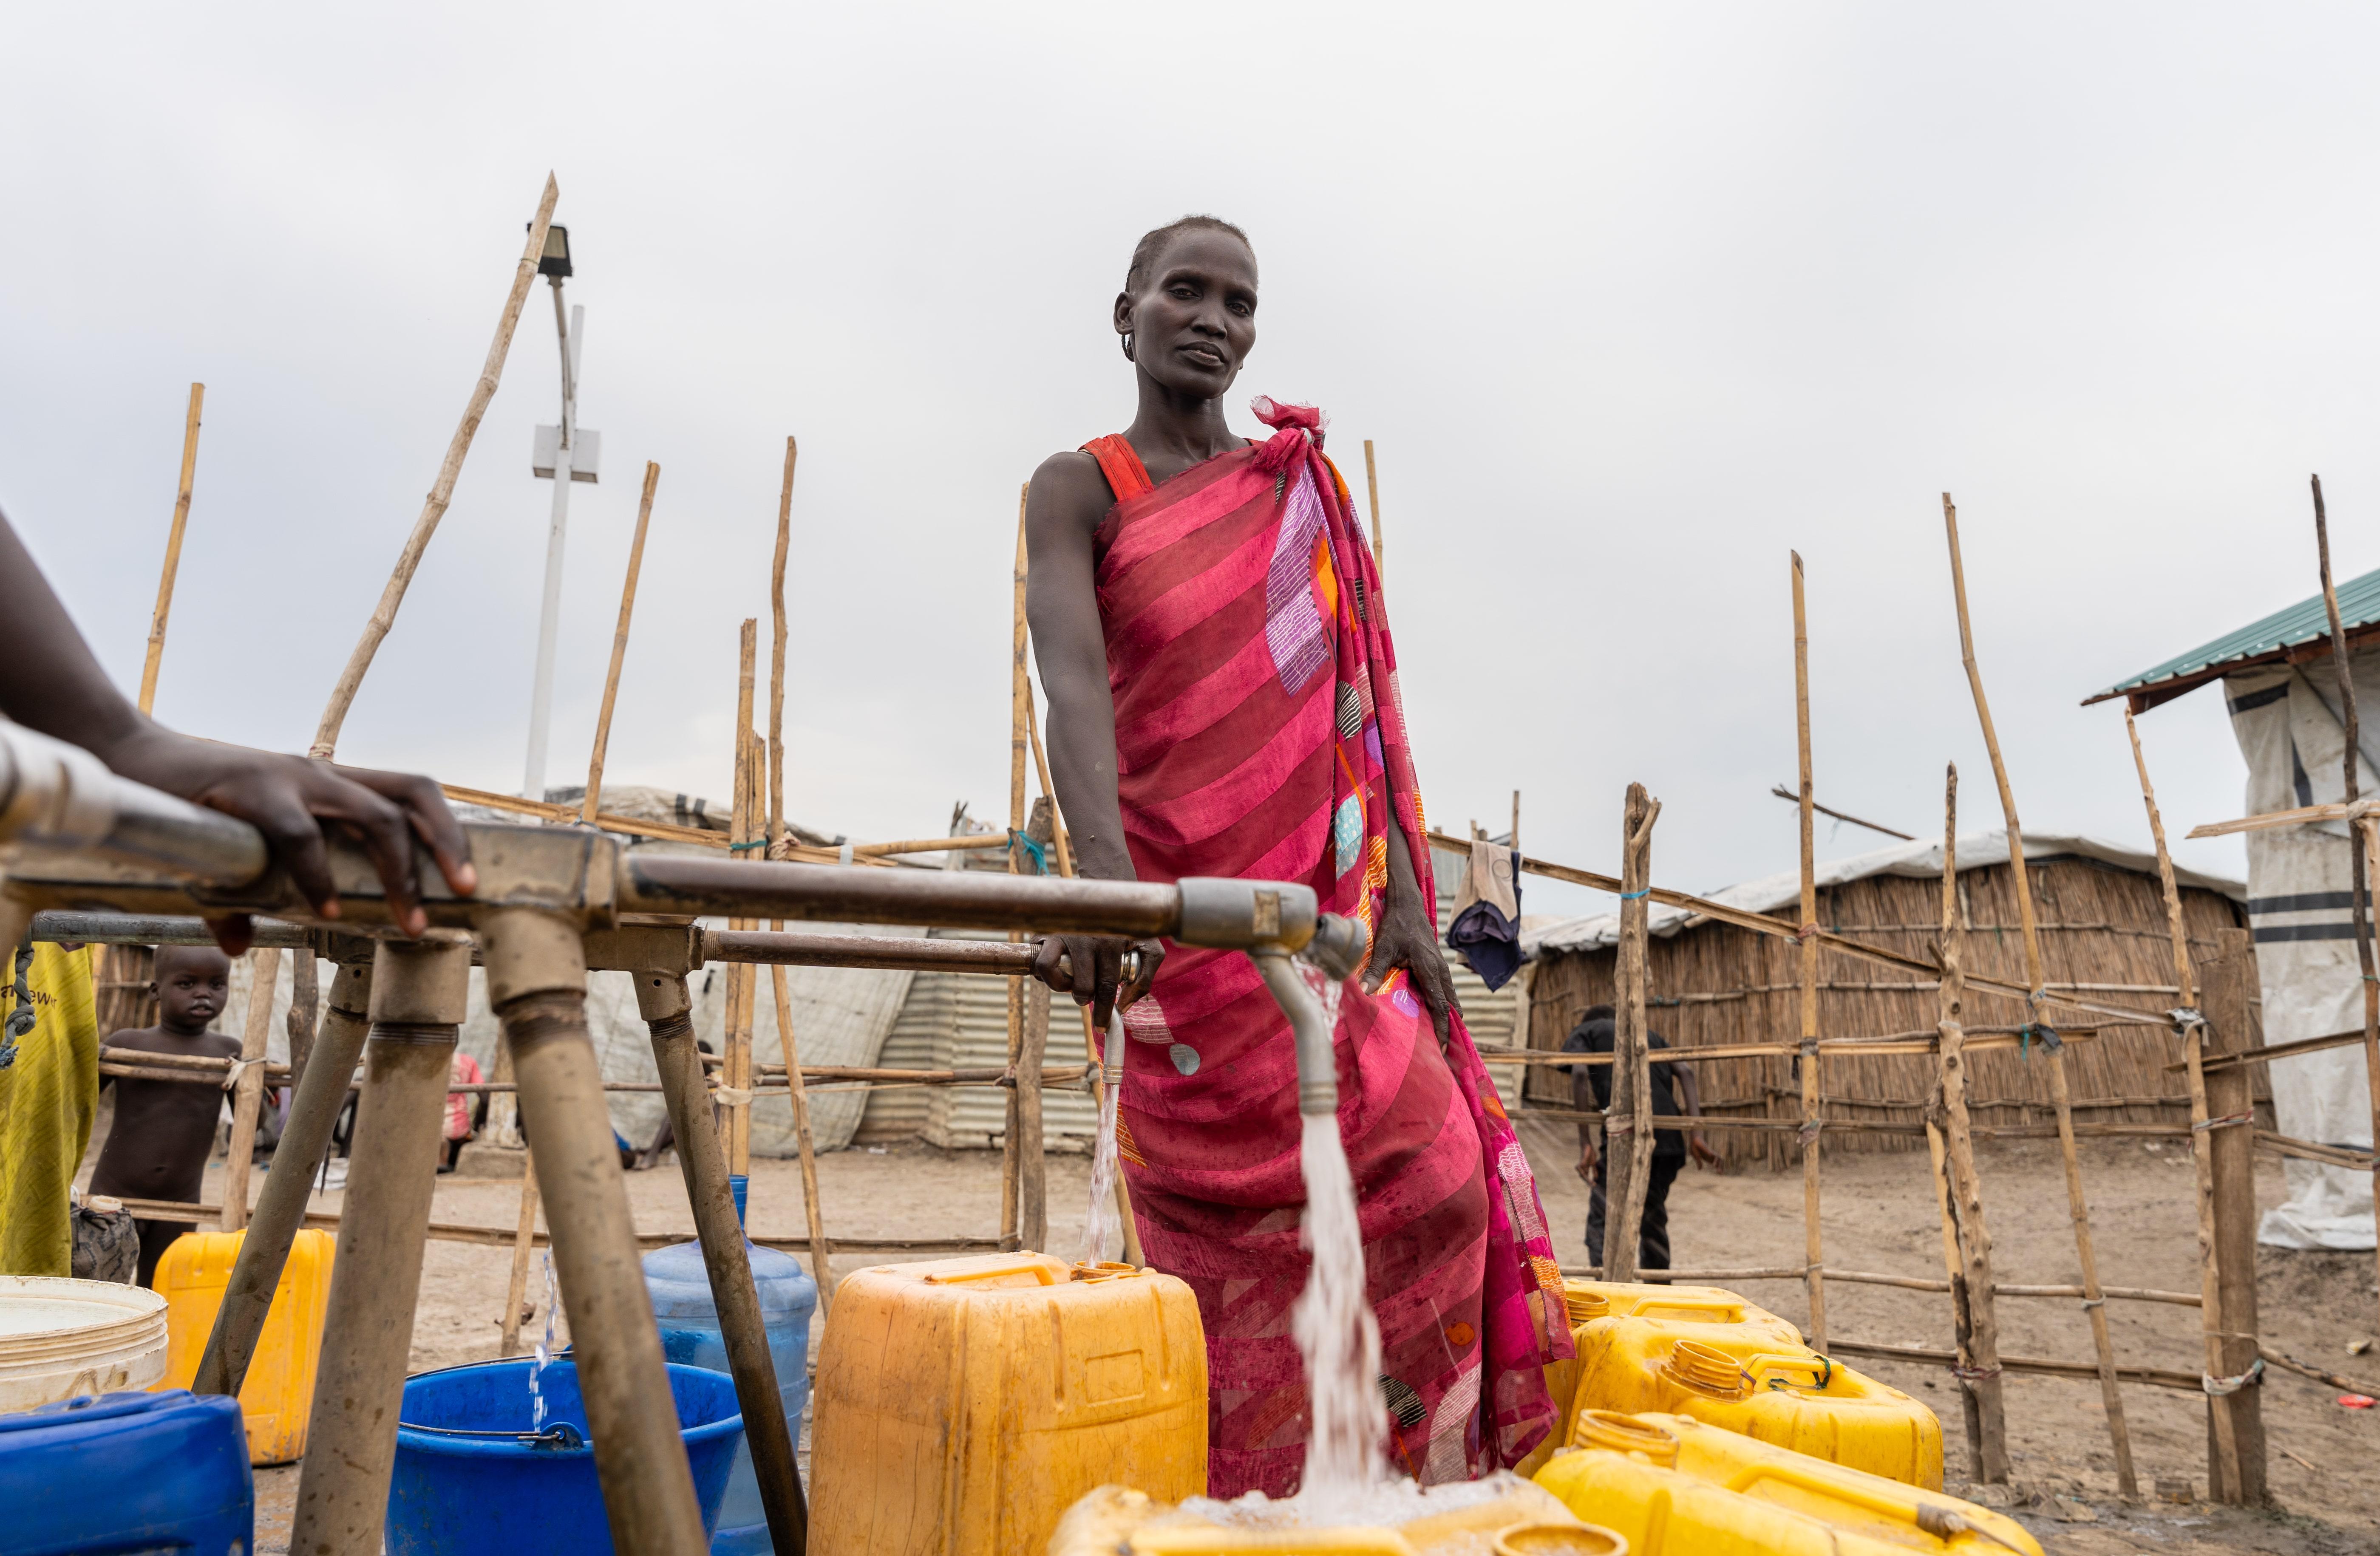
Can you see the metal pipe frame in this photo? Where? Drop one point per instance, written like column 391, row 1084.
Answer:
column 662, row 999
column 72, row 835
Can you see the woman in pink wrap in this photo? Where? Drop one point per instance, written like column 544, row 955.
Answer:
column 1223, row 701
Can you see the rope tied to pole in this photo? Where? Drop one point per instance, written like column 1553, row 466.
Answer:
column 238, row 1068
column 1037, row 850
column 2227, row 1120
column 1634, row 895
column 731, row 1096
column 1808, row 932
column 747, row 848
column 2217, row 1387
column 2036, row 1026
column 1974, row 1374
column 1807, row 1135
column 2186, row 1020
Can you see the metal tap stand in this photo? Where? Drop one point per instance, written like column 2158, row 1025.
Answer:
column 551, row 899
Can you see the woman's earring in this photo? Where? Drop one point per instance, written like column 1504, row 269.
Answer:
column 1128, row 345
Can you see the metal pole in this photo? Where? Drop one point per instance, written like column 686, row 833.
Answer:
column 536, row 981
column 662, row 999
column 541, row 700
column 281, row 1208
column 419, row 994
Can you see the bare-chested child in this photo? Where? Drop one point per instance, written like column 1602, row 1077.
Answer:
column 165, row 1130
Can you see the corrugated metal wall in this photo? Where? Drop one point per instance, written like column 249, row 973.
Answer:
column 958, row 1021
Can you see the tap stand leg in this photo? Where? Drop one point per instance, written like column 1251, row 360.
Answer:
column 281, row 1208
column 536, row 981
column 661, row 998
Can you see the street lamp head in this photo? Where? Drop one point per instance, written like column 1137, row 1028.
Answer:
column 555, row 260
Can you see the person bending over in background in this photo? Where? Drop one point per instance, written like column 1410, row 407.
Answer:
column 1590, row 1087
column 1223, row 702
column 165, row 1130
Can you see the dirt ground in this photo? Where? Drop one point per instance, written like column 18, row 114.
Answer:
column 1878, row 1217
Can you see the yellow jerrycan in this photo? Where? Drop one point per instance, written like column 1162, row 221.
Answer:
column 1791, row 1396
column 1513, row 1518
column 279, row 1389
column 1674, row 1485
column 1688, row 1309
column 963, row 1404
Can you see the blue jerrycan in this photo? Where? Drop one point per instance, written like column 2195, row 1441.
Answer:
column 690, row 1334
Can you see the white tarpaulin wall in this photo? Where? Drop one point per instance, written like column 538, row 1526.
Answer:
column 2288, row 728
column 840, row 1016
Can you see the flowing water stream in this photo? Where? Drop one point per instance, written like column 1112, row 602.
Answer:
column 1102, row 1227
column 1346, row 1479
column 544, row 1351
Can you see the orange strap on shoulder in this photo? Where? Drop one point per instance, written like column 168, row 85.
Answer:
column 1126, row 476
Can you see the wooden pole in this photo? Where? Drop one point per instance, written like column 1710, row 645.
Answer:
column 1372, row 484
column 172, row 553
column 2225, row 1467
column 737, row 1071
column 442, row 491
column 1096, row 1072
column 804, row 1141
column 2078, row 1208
column 619, row 648
column 524, row 1245
column 777, row 656
column 2227, row 985
column 2360, row 880
column 247, row 1091
column 1962, row 1321
column 1813, row 1247
column 1628, row 1122
column 1020, row 697
column 1975, row 1295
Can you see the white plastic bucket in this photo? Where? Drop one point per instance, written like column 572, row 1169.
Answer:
column 61, row 1338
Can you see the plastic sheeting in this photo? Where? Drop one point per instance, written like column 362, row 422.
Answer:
column 840, row 1016
column 2288, row 725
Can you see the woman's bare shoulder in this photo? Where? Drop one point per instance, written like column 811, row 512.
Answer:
column 1068, row 491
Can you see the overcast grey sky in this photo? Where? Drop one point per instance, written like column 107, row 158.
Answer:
column 1631, row 298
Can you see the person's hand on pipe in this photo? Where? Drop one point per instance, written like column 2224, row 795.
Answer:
column 1060, row 959
column 50, row 683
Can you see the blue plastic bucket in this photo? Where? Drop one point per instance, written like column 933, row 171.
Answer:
column 471, row 1481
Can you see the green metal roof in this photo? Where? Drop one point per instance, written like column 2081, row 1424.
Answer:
column 2358, row 606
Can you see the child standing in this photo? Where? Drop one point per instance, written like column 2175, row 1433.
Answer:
column 165, row 1130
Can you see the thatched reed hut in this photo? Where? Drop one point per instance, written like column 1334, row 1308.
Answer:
column 2103, row 934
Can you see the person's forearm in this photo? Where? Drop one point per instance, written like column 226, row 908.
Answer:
column 1405, row 881
column 48, row 680
column 1083, row 771
column 1689, row 1091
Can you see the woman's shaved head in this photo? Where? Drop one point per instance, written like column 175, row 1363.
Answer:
column 1151, row 247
